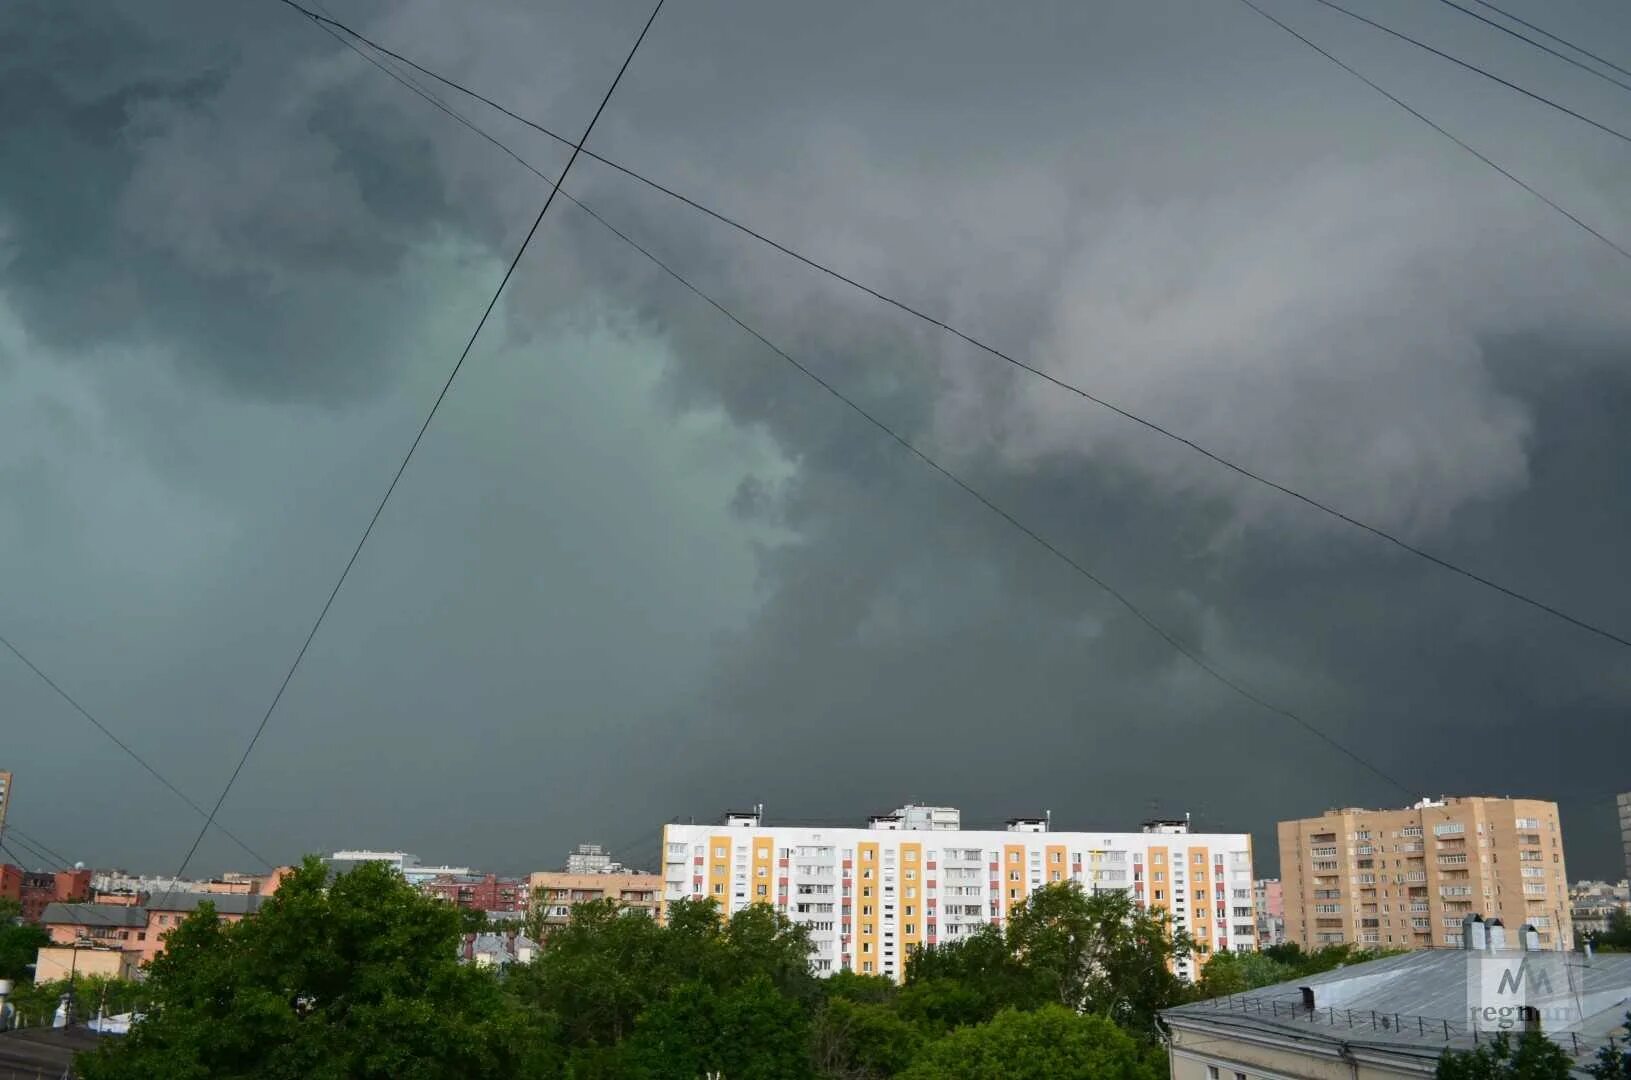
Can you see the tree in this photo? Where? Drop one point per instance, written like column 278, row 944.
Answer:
column 1535, row 1057
column 19, row 941
column 1236, row 973
column 861, row 1040
column 1099, row 952
column 1051, row 1043
column 358, row 978
column 1615, row 937
column 1614, row 1060
column 967, row 982
column 748, row 1030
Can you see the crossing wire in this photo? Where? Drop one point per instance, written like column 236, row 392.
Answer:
column 1126, row 414
column 1121, row 598
column 406, row 458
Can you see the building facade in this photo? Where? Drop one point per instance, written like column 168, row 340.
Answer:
column 1623, row 802
column 139, row 930
column 408, row 865
column 869, row 895
column 1268, row 902
column 592, row 859
column 553, row 892
column 487, row 892
column 1405, row 879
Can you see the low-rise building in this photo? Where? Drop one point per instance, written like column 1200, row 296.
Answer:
column 56, row 962
column 498, row 950
column 1593, row 903
column 488, row 892
column 554, row 892
column 1393, row 1018
column 138, row 930
column 34, row 889
column 412, row 871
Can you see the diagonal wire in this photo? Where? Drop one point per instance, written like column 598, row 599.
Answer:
column 1474, row 68
column 121, row 744
column 1448, row 135
column 402, row 468
column 1553, row 37
column 941, row 324
column 1565, row 57
column 1074, row 564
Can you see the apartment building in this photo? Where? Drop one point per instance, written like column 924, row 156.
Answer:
column 1268, row 901
column 1623, row 802
column 870, row 894
column 1405, row 879
column 555, row 891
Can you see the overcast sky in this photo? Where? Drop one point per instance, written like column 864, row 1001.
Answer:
column 641, row 568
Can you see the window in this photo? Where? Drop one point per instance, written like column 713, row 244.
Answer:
column 1200, row 858
column 761, row 890
column 719, row 888
column 1056, row 856
column 911, row 928
column 719, row 853
column 866, row 854
column 1013, row 875
column 911, row 855
column 1211, row 1072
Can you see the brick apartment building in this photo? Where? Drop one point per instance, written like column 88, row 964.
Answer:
column 1405, row 879
column 555, row 891
column 33, row 890
column 488, row 892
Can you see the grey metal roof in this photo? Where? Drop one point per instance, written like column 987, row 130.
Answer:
column 120, row 915
column 225, row 903
column 1416, row 1003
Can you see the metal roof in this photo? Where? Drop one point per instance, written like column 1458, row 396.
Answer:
column 120, row 915
column 225, row 903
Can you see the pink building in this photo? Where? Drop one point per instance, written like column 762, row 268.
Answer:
column 139, row 930
column 1269, row 906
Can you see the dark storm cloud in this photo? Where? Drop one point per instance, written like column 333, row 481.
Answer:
column 644, row 568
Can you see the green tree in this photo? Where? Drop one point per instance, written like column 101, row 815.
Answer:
column 1236, row 973
column 19, row 941
column 967, row 982
column 861, row 1040
column 1534, row 1057
column 354, row 978
column 1615, row 937
column 1050, row 1043
column 1614, row 1060
column 1099, row 952
column 751, row 1029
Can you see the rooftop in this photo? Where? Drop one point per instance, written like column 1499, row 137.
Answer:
column 1415, row 1005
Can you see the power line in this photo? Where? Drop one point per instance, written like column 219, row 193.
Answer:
column 1582, row 117
column 1036, row 537
column 121, row 744
column 941, row 324
column 402, row 468
column 1567, row 59
column 37, row 849
column 1448, row 135
column 1553, row 37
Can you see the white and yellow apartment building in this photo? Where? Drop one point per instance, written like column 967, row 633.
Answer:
column 915, row 877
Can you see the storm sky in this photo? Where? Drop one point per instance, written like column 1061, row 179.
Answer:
column 642, row 568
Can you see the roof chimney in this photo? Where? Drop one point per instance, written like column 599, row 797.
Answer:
column 1530, row 937
column 1497, row 935
column 1473, row 937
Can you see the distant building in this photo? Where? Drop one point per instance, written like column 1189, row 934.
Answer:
column 1404, row 879
column 553, row 892
column 138, row 930
column 869, row 895
column 1624, row 804
column 1593, row 903
column 49, row 887
column 488, row 892
column 403, row 863
column 57, row 962
column 1268, row 902
column 592, row 859
column 5, row 800
column 498, row 950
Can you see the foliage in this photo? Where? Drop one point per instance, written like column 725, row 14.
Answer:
column 1535, row 1057
column 1616, row 937
column 19, row 941
column 1237, row 973
column 358, row 978
column 36, row 1003
column 1050, row 1043
column 1614, row 1060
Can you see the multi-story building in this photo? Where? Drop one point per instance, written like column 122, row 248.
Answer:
column 34, row 889
column 870, row 895
column 1268, row 903
column 139, row 930
column 592, row 859
column 488, row 892
column 401, row 861
column 555, row 891
column 1405, row 879
column 1624, row 804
